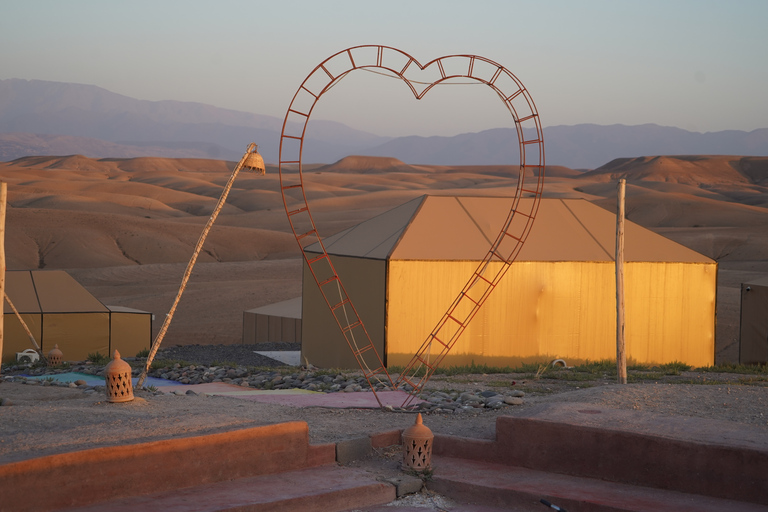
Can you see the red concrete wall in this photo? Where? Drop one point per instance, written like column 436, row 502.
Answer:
column 90, row 476
column 637, row 459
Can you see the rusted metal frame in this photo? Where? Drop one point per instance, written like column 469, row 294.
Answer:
column 345, row 327
column 494, row 250
column 506, row 262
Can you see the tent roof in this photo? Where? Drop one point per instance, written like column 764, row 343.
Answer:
column 462, row 228
column 757, row 281
column 288, row 308
column 48, row 291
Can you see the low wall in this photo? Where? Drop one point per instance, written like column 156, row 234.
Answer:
column 99, row 474
column 732, row 472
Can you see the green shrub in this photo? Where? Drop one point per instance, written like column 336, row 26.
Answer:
column 97, row 358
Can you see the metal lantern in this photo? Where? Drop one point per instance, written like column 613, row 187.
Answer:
column 253, row 160
column 118, row 376
column 55, row 356
column 417, row 446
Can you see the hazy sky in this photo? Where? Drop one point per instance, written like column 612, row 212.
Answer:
column 698, row 65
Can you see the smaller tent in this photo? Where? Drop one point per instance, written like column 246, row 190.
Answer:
column 753, row 339
column 59, row 311
column 279, row 322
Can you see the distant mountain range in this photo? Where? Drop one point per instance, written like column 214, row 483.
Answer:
column 54, row 118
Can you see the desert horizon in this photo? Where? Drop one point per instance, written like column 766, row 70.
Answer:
column 125, row 228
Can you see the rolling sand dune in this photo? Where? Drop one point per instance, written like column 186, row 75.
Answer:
column 125, row 228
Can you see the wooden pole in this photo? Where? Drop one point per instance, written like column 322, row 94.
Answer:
column 3, row 199
column 191, row 264
column 621, row 355
column 25, row 326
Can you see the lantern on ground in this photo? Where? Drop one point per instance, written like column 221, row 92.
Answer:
column 118, row 379
column 417, row 447
column 55, row 356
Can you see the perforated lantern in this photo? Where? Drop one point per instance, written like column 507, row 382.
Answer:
column 118, row 376
column 55, row 356
column 417, row 446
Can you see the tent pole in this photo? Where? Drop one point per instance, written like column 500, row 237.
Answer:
column 621, row 355
column 3, row 199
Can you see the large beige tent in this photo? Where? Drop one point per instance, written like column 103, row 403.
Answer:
column 402, row 270
column 753, row 339
column 59, row 311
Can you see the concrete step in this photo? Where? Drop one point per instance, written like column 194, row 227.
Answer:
column 521, row 489
column 319, row 489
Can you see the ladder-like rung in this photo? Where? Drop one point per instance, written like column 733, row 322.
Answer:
column 470, row 299
column 536, row 141
column 297, row 211
column 291, row 186
column 290, row 162
column 351, row 326
column 514, row 237
column 434, row 337
column 297, row 112
column 304, row 235
column 316, row 258
column 524, row 119
column 483, row 278
column 513, row 95
column 377, row 371
column 363, row 350
column 334, row 277
column 310, row 92
column 499, row 256
column 530, row 192
column 292, row 137
column 340, row 304
column 455, row 320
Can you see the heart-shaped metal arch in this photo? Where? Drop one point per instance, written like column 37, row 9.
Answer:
column 502, row 252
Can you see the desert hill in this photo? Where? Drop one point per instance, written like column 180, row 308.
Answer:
column 125, row 228
column 694, row 170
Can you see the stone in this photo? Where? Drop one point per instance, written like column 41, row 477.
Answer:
column 80, row 382
column 191, row 392
column 514, row 400
column 517, row 393
column 406, row 484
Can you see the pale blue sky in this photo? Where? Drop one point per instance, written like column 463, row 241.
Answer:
column 699, row 65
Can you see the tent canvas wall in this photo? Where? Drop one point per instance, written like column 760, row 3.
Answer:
column 279, row 322
column 403, row 268
column 753, row 339
column 58, row 311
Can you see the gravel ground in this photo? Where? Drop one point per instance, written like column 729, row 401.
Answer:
column 43, row 419
column 243, row 355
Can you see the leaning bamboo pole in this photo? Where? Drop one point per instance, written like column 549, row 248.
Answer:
column 250, row 160
column 25, row 326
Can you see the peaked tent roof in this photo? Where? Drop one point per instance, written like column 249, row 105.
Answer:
column 48, row 291
column 463, row 228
